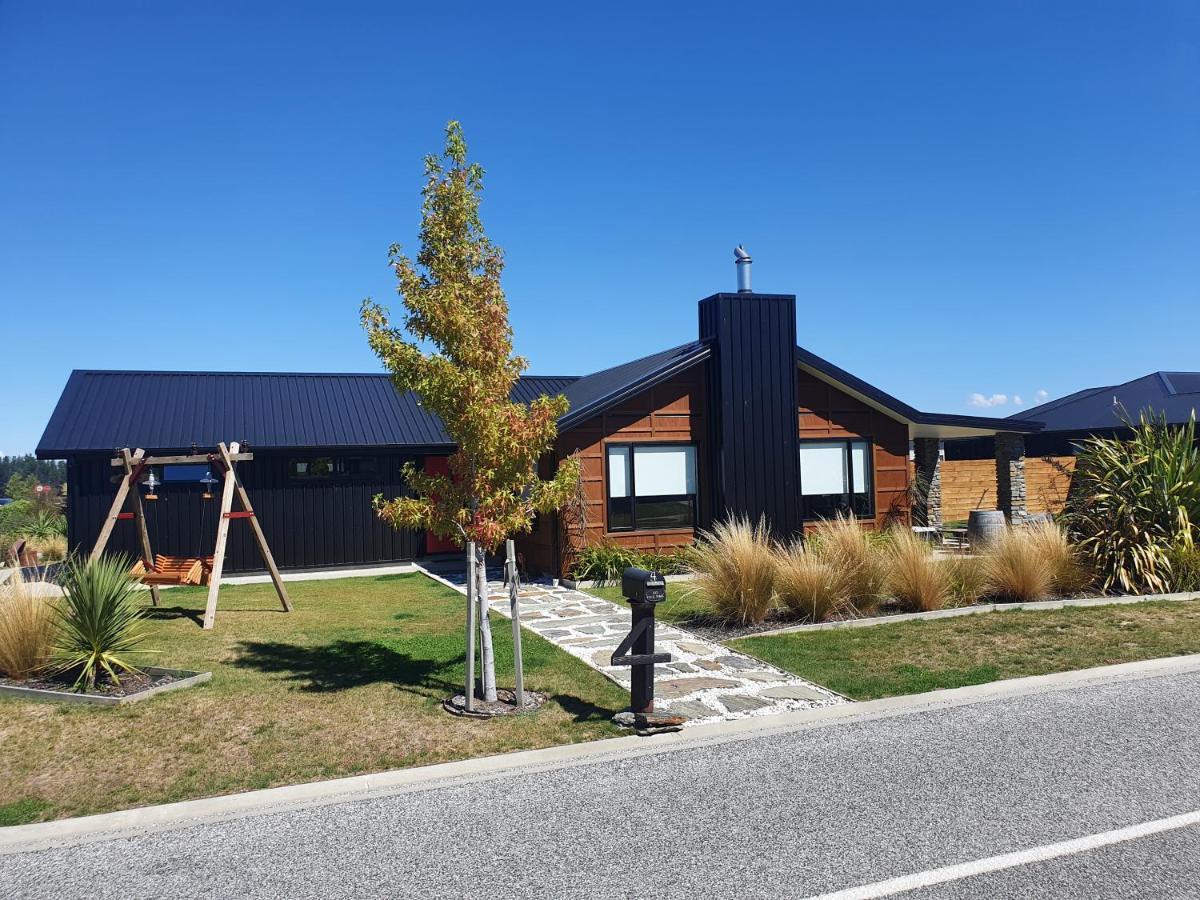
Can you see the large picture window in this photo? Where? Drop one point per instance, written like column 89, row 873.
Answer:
column 835, row 477
column 651, row 486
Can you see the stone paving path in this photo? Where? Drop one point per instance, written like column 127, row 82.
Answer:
column 704, row 680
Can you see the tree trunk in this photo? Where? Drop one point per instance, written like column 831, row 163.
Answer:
column 487, row 661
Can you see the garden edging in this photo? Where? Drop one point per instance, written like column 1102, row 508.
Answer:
column 980, row 608
column 188, row 679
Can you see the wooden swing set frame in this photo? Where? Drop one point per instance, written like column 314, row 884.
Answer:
column 223, row 460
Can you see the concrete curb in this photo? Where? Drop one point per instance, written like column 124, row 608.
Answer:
column 127, row 823
column 976, row 610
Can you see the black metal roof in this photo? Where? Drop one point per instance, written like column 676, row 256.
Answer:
column 100, row 410
column 594, row 393
column 1175, row 394
column 159, row 411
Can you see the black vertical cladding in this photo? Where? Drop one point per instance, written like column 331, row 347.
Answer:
column 753, row 417
column 291, row 512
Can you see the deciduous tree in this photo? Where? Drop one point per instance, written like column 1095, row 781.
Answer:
column 455, row 350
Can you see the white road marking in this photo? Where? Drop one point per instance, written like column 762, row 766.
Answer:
column 1011, row 860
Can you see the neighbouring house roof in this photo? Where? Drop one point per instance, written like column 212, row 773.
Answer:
column 1175, row 394
column 101, row 410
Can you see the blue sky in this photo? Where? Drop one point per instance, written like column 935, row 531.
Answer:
column 966, row 198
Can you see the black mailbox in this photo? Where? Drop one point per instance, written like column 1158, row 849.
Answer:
column 643, row 586
column 642, row 589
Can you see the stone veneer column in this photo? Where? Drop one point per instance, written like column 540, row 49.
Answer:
column 1010, row 476
column 927, row 501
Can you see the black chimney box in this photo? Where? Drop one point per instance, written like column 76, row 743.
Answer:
column 753, row 418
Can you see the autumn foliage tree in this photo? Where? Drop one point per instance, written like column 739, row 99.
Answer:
column 455, row 350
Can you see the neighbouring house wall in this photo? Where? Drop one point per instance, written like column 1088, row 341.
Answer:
column 969, row 484
column 826, row 411
column 671, row 411
column 308, row 523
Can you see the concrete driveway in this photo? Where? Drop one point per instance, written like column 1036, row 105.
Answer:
column 1093, row 783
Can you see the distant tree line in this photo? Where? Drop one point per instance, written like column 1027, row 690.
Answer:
column 42, row 471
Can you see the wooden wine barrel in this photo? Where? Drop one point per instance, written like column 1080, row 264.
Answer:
column 983, row 526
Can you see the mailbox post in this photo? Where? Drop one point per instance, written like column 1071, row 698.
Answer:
column 644, row 590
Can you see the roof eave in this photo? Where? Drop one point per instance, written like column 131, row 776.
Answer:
column 921, row 424
column 575, row 416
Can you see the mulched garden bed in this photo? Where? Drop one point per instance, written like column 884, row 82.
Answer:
column 131, row 688
column 505, row 704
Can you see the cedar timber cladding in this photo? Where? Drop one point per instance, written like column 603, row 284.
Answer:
column 673, row 410
column 827, row 412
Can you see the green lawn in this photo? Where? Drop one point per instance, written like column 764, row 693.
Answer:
column 679, row 607
column 350, row 682
column 911, row 657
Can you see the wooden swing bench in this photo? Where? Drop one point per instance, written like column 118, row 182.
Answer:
column 174, row 570
column 161, row 569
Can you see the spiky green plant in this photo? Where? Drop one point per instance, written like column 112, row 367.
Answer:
column 99, row 622
column 603, row 562
column 1135, row 501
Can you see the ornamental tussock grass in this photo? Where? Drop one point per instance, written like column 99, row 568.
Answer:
column 1067, row 573
column 915, row 578
column 1017, row 566
column 734, row 568
column 810, row 584
column 26, row 627
column 856, row 555
column 968, row 582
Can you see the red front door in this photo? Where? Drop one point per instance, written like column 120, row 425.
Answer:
column 437, row 465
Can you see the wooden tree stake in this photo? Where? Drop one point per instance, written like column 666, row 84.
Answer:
column 469, row 694
column 514, row 607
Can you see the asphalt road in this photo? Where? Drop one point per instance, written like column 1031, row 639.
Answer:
column 813, row 810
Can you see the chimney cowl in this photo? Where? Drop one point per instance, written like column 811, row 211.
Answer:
column 742, row 260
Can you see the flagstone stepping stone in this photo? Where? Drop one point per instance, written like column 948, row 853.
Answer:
column 737, row 703
column 603, row 658
column 682, row 667
column 554, row 634
column 589, row 629
column 738, row 662
column 681, row 687
column 693, row 709
column 711, row 664
column 764, row 676
column 698, row 649
column 793, row 692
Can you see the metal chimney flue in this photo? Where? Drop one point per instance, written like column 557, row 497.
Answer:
column 742, row 260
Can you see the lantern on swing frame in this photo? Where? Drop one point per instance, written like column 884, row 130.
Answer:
column 208, row 481
column 150, row 486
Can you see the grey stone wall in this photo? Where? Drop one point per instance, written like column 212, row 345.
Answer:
column 927, row 498
column 1010, row 476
